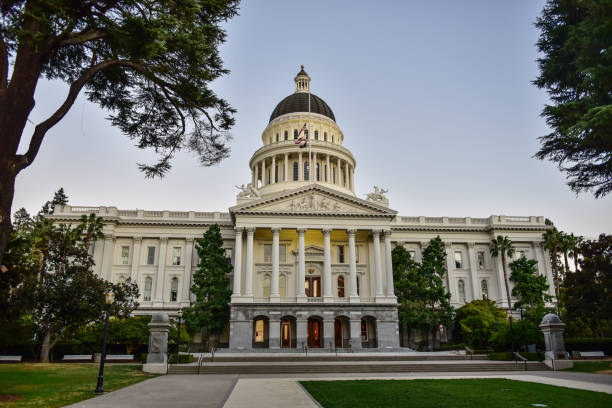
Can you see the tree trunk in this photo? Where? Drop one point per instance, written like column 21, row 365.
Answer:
column 566, row 262
column 555, row 273
column 45, row 349
column 7, row 191
column 575, row 259
column 506, row 283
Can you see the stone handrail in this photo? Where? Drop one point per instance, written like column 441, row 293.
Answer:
column 68, row 210
column 466, row 221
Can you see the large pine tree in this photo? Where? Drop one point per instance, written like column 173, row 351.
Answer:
column 210, row 311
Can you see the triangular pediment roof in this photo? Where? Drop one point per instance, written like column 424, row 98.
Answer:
column 315, row 200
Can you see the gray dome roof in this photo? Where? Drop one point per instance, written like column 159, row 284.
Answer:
column 298, row 102
column 551, row 318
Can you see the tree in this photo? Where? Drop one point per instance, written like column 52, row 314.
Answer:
column 575, row 242
column 51, row 281
column 530, row 288
column 587, row 292
column 150, row 63
column 475, row 322
column 576, row 71
column 59, row 198
column 551, row 241
column 210, row 311
column 565, row 247
column 502, row 246
column 409, row 289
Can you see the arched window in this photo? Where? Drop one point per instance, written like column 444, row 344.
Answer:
column 325, row 136
column 306, row 171
column 485, row 289
column 286, row 135
column 316, row 135
column 461, row 285
column 318, row 176
column 266, row 286
column 341, row 286
column 277, row 138
column 147, row 289
column 174, row 290
column 295, row 133
column 282, row 286
column 296, row 171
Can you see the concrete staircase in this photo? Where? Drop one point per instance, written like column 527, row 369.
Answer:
column 355, row 363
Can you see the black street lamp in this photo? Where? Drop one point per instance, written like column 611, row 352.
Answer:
column 178, row 341
column 110, row 298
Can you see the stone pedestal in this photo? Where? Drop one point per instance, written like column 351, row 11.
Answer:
column 552, row 327
column 157, row 359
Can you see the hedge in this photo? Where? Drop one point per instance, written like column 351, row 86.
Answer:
column 585, row 344
column 507, row 356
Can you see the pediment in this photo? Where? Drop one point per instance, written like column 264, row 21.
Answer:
column 313, row 200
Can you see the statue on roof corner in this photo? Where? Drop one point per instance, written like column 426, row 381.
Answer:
column 378, row 195
column 248, row 191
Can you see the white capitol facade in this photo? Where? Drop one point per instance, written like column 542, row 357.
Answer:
column 312, row 261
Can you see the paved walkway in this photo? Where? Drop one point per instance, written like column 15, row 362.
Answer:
column 252, row 391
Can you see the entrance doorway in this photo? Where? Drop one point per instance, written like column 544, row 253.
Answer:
column 287, row 333
column 312, row 286
column 315, row 332
column 342, row 332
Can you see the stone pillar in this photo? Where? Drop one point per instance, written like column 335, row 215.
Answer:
column 273, row 170
column 256, row 183
column 338, row 171
column 355, row 333
column 353, row 297
column 274, row 294
column 377, row 266
column 249, row 264
column 346, row 175
column 107, row 259
column 389, row 266
column 300, row 167
column 135, row 259
column 552, row 327
column 301, row 332
column 301, row 290
column 328, row 333
column 237, row 287
column 274, row 332
column 188, row 269
column 314, row 167
column 474, row 272
column 161, row 272
column 157, row 359
column 353, row 178
column 286, row 163
column 263, row 173
column 327, row 278
column 327, row 170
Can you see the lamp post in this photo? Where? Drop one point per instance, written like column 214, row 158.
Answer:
column 110, row 298
column 178, row 340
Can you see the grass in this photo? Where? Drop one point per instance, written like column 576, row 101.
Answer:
column 459, row 393
column 56, row 385
column 590, row 366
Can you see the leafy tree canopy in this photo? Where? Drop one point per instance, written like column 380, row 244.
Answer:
column 475, row 322
column 210, row 311
column 576, row 71
column 530, row 288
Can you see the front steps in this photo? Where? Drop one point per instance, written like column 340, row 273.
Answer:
column 374, row 365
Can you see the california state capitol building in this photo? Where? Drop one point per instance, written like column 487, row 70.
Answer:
column 312, row 260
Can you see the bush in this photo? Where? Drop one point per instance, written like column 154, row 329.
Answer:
column 477, row 321
column 507, row 356
column 450, row 347
column 586, row 344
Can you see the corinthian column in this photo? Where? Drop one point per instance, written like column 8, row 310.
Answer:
column 274, row 295
column 249, row 264
column 353, row 296
column 135, row 259
column 237, row 265
column 327, row 280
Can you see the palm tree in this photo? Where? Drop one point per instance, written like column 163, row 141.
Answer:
column 551, row 243
column 503, row 246
column 576, row 241
column 564, row 246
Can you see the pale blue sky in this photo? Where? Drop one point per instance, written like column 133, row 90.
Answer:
column 434, row 99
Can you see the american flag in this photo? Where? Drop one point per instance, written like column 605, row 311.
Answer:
column 301, row 139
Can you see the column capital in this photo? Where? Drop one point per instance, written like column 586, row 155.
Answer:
column 109, row 237
column 137, row 240
column 376, row 232
column 238, row 230
column 250, row 230
column 326, row 231
column 448, row 244
column 301, row 231
column 163, row 240
column 471, row 244
column 351, row 231
column 386, row 233
column 189, row 240
column 424, row 243
column 276, row 230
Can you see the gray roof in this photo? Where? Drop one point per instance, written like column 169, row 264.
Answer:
column 298, row 102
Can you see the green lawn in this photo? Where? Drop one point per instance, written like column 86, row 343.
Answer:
column 468, row 393
column 590, row 366
column 56, row 385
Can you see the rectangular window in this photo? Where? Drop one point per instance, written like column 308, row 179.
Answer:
column 176, row 256
column 458, row 260
column 267, row 252
column 150, row 255
column 340, row 254
column 481, row 260
column 282, row 253
column 125, row 255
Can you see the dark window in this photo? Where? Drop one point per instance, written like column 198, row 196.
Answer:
column 318, row 172
column 325, row 136
column 357, row 285
column 150, row 255
column 277, row 138
column 296, row 173
column 306, row 133
column 364, row 330
column 295, row 134
column 325, row 173
column 306, row 171
column 276, row 173
column 286, row 135
column 340, row 286
column 316, row 135
column 340, row 254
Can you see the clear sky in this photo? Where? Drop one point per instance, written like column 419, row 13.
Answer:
column 434, row 98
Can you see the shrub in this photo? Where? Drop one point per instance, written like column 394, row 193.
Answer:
column 587, row 344
column 476, row 322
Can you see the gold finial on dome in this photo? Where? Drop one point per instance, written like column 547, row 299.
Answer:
column 302, row 81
